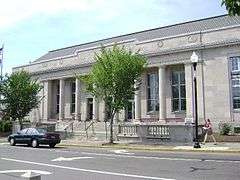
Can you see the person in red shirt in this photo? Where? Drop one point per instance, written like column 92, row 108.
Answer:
column 209, row 131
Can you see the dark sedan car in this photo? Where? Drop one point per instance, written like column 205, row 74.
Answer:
column 34, row 137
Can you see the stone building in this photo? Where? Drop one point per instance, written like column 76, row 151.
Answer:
column 166, row 92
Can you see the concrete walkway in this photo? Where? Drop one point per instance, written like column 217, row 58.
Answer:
column 222, row 147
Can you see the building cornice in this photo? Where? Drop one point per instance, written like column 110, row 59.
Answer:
column 166, row 52
column 195, row 47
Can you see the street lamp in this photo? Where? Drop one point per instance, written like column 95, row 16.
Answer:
column 194, row 60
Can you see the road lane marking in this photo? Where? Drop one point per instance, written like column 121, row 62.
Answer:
column 203, row 148
column 122, row 151
column 87, row 170
column 39, row 149
column 162, row 158
column 70, row 159
column 141, row 157
column 25, row 172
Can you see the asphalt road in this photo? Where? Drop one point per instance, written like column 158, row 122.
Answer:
column 101, row 164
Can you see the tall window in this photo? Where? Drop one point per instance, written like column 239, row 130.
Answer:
column 73, row 92
column 58, row 98
column 178, row 91
column 235, row 62
column 152, row 92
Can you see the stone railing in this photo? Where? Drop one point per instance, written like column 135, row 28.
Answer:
column 156, row 132
column 127, row 130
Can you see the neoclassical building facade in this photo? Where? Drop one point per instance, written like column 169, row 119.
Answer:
column 166, row 91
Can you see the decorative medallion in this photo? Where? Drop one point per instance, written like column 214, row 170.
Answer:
column 192, row 39
column 160, row 44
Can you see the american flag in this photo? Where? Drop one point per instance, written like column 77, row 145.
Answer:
column 1, row 55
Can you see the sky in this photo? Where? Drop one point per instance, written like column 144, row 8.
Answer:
column 31, row 28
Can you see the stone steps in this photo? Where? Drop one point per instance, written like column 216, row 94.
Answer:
column 95, row 133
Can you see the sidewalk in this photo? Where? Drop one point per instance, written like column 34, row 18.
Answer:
column 208, row 147
column 222, row 147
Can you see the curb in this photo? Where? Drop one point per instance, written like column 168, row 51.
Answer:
column 154, row 149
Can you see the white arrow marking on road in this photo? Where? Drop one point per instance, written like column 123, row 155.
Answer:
column 27, row 173
column 3, row 143
column 70, row 159
column 122, row 151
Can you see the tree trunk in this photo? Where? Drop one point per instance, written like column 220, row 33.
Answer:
column 111, row 130
column 21, row 124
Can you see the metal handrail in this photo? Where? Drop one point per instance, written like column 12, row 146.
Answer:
column 87, row 127
column 69, row 125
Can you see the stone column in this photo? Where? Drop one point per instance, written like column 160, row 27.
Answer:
column 189, row 90
column 122, row 115
column 137, row 103
column 61, row 98
column 77, row 100
column 116, row 118
column 47, row 92
column 95, row 109
column 162, row 93
column 102, row 110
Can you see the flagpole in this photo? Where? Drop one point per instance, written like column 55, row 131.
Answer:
column 1, row 81
column 2, row 64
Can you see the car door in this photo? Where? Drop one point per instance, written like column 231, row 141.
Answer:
column 20, row 136
column 28, row 136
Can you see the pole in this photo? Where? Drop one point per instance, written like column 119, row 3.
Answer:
column 196, row 144
column 1, row 79
column 2, row 63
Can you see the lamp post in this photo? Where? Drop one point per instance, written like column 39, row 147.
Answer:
column 194, row 60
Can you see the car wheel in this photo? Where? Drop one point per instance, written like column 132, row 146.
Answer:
column 12, row 142
column 52, row 145
column 34, row 143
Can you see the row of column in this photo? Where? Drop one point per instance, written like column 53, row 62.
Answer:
column 162, row 97
column 47, row 94
column 137, row 97
column 162, row 93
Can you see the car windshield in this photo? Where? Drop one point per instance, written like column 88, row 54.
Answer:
column 23, row 131
column 41, row 131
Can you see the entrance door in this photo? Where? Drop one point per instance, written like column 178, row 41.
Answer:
column 89, row 108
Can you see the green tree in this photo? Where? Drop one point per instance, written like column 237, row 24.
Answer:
column 112, row 78
column 232, row 6
column 19, row 95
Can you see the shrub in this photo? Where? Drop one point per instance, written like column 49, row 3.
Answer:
column 5, row 126
column 1, row 125
column 225, row 128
